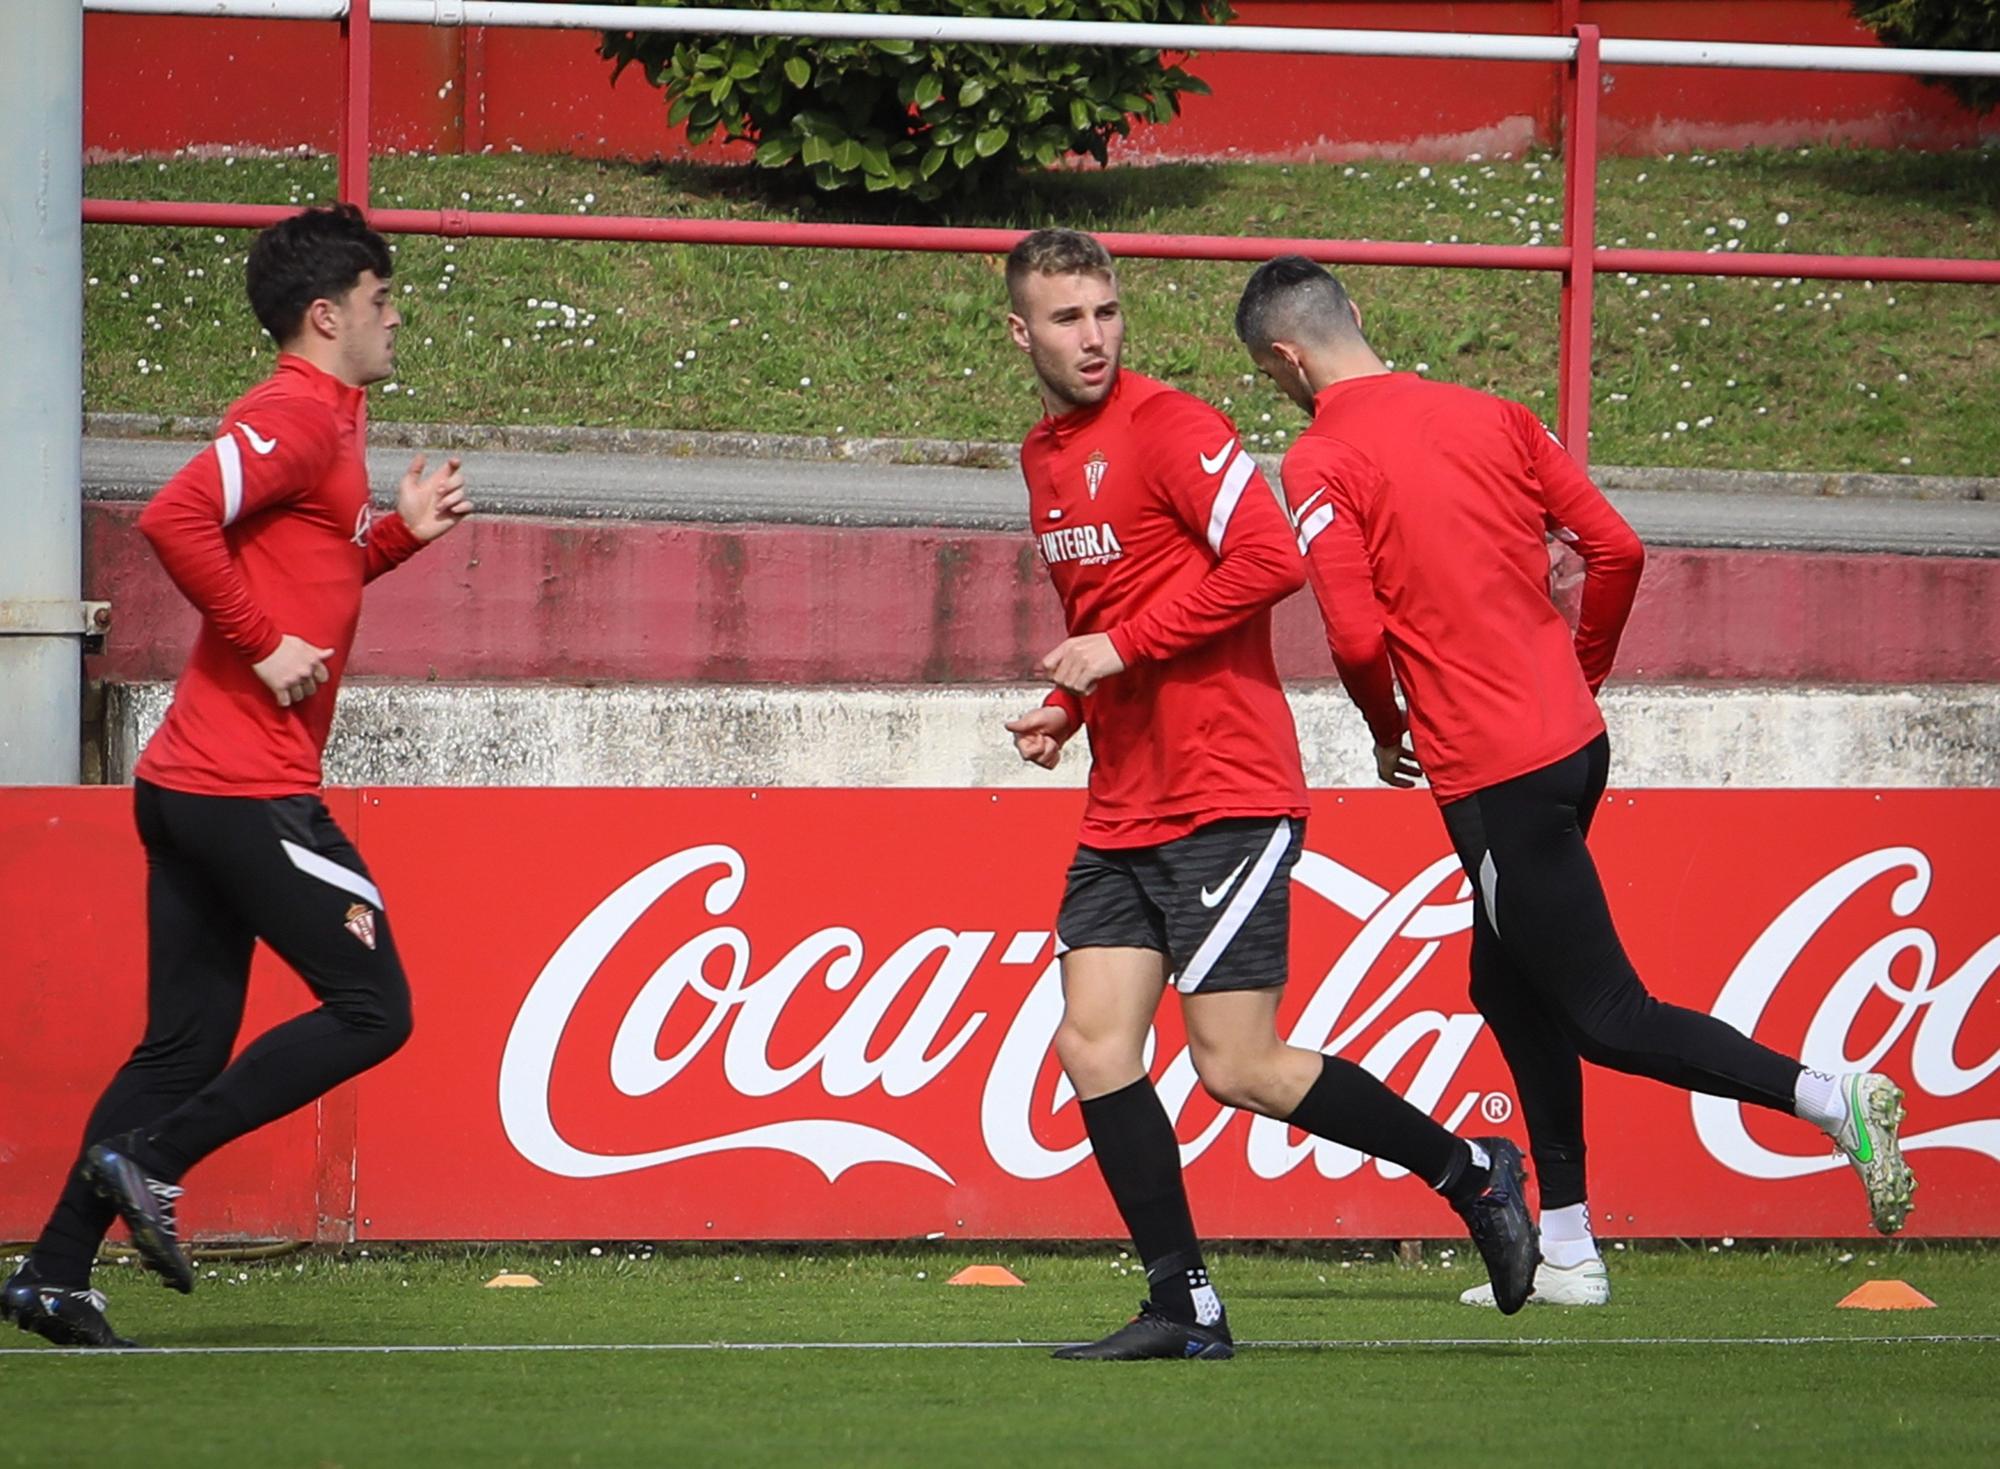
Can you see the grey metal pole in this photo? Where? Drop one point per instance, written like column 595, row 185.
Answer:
column 41, row 391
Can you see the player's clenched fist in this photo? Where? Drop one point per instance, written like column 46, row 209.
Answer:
column 1077, row 664
column 294, row 670
column 1039, row 735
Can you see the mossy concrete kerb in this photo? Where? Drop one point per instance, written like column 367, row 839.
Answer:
column 960, row 454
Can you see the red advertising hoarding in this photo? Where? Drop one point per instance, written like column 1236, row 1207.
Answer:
column 743, row 1014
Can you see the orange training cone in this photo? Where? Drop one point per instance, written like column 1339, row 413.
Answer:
column 503, row 1280
column 986, row 1275
column 1887, row 1295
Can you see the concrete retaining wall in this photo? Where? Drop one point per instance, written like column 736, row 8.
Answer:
column 733, row 735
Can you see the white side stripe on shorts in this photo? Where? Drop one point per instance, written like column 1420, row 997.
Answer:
column 1240, row 470
column 333, row 874
column 1247, row 898
column 231, row 459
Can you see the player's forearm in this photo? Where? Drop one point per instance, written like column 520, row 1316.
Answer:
column 1371, row 683
column 1610, row 583
column 390, row 544
column 1360, row 652
column 1246, row 581
column 1071, row 706
column 188, row 539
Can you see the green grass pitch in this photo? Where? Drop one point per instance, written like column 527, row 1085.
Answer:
column 1705, row 1356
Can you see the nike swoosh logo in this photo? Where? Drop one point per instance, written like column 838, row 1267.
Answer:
column 257, row 441
column 1221, row 457
column 1209, row 898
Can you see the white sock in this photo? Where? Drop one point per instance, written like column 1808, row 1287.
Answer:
column 1566, row 1239
column 1821, row 1100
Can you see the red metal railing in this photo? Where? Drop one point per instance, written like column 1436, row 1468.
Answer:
column 1577, row 260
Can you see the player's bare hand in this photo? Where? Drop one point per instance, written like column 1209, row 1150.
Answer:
column 1397, row 766
column 293, row 671
column 1039, row 735
column 1078, row 664
column 432, row 504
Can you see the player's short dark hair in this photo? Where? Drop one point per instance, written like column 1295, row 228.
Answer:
column 1056, row 252
column 1292, row 299
column 317, row 254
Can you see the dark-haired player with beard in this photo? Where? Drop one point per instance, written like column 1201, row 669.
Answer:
column 1422, row 509
column 269, row 532
column 1168, row 550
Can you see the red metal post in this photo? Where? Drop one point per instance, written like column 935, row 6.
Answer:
column 1580, row 240
column 356, row 48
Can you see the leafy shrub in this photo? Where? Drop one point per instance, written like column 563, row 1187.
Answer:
column 1946, row 25
column 929, row 121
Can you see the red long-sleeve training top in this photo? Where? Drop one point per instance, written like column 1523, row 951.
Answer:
column 1158, row 530
column 268, row 531
column 1423, row 510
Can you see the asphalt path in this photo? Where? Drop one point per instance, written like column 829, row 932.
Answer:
column 783, row 491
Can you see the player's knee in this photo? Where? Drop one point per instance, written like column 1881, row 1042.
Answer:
column 379, row 1018
column 1096, row 1063
column 1612, row 1030
column 397, row 1026
column 1237, row 1082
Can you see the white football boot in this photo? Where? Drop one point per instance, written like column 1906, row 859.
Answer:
column 1555, row 1285
column 1869, row 1139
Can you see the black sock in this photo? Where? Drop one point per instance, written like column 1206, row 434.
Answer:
column 1141, row 1162
column 67, row 1246
column 1471, row 1170
column 1350, row 1106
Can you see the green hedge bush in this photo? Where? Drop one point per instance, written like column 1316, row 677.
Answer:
column 1944, row 25
column 927, row 121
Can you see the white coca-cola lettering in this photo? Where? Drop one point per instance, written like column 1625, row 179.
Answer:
column 1385, row 918
column 1939, row 1011
column 1007, row 1106
column 858, row 1051
column 742, row 1014
column 831, row 1145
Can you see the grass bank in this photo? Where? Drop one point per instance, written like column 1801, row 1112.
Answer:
column 1694, row 371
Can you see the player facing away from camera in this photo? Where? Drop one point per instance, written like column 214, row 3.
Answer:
column 1168, row 550
column 1422, row 509
column 270, row 533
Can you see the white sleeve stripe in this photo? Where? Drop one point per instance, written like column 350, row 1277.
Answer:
column 1240, row 470
column 231, row 459
column 1316, row 522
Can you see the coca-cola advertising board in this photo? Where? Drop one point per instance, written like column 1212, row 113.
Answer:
column 827, row 1014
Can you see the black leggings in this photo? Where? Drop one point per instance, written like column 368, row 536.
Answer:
column 1552, row 980
column 223, row 872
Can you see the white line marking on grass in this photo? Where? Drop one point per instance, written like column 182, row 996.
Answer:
column 1337, row 1344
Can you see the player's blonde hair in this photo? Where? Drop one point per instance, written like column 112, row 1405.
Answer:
column 1056, row 252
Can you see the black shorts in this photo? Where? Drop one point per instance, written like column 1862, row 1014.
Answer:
column 1217, row 902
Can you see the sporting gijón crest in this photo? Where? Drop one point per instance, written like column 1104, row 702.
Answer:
column 361, row 923
column 1093, row 471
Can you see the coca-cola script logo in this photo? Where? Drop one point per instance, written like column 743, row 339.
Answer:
column 1938, row 1007
column 742, row 1011
column 707, row 991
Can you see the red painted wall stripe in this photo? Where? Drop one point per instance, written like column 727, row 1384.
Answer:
column 623, row 602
